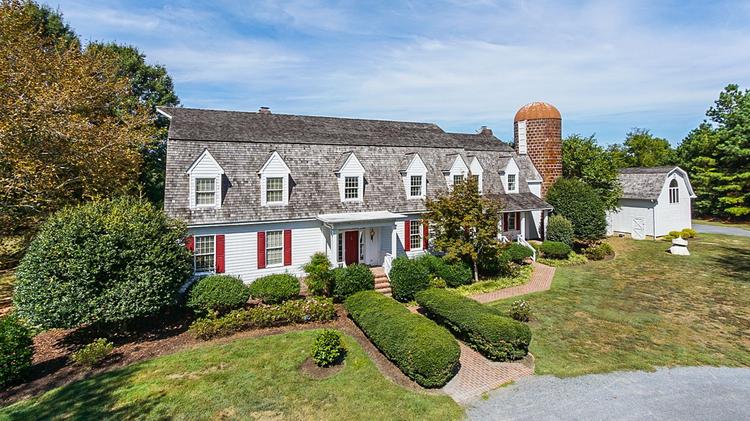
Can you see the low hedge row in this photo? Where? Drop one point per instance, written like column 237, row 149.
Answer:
column 424, row 351
column 293, row 311
column 496, row 337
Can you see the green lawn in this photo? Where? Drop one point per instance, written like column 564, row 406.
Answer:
column 744, row 225
column 646, row 308
column 254, row 378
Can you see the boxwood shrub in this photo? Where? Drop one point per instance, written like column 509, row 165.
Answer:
column 424, row 351
column 560, row 229
column 555, row 249
column 496, row 337
column 350, row 280
column 275, row 289
column 16, row 350
column 454, row 274
column 407, row 278
column 218, row 294
column 517, row 253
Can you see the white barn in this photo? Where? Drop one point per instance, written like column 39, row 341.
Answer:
column 654, row 202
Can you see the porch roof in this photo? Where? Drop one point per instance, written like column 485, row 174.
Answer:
column 516, row 202
column 348, row 217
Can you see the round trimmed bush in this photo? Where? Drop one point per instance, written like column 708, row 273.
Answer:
column 16, row 350
column 106, row 261
column 581, row 205
column 560, row 229
column 555, row 249
column 407, row 278
column 517, row 253
column 218, row 294
column 350, row 280
column 319, row 276
column 275, row 289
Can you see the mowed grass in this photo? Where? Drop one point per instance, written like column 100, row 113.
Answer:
column 255, row 378
column 743, row 225
column 646, row 308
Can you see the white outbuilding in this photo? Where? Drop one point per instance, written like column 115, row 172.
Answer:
column 654, row 202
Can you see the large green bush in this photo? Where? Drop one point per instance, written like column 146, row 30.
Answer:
column 424, row 351
column 517, row 253
column 496, row 337
column 454, row 273
column 560, row 229
column 16, row 350
column 218, row 294
column 275, row 289
column 350, row 280
column 407, row 278
column 105, row 261
column 314, row 309
column 555, row 249
column 496, row 262
column 581, row 205
column 319, row 275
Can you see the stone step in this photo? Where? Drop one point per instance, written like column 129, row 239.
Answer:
column 385, row 291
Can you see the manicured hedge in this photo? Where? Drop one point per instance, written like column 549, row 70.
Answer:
column 555, row 249
column 454, row 274
column 350, row 280
column 496, row 337
column 424, row 351
column 218, row 293
column 275, row 289
column 407, row 278
column 517, row 253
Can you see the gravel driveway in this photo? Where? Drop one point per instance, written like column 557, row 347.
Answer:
column 717, row 229
column 685, row 393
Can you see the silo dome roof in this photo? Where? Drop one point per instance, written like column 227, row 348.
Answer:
column 537, row 111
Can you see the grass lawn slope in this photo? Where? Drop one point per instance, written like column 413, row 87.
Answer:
column 646, row 308
column 246, row 379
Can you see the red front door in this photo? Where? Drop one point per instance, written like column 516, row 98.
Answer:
column 351, row 244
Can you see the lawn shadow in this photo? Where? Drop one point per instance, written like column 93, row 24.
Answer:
column 93, row 398
column 735, row 260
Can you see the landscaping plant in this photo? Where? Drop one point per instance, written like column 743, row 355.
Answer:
column 496, row 337
column 496, row 263
column 424, row 351
column 455, row 273
column 517, row 253
column 275, row 289
column 407, row 278
column 560, row 229
column 106, row 261
column 218, row 294
column 520, row 310
column 555, row 249
column 350, row 280
column 16, row 350
column 327, row 347
column 319, row 275
column 581, row 205
column 93, row 353
column 688, row 233
column 599, row 251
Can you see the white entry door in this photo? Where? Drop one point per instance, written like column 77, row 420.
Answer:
column 639, row 229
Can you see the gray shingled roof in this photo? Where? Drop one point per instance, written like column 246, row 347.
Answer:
column 643, row 183
column 520, row 201
column 313, row 148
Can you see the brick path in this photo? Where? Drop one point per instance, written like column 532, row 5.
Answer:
column 478, row 374
column 541, row 280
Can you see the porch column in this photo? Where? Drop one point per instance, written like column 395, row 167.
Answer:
column 333, row 256
column 523, row 225
column 394, row 240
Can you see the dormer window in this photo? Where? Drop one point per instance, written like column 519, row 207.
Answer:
column 275, row 190
column 457, row 172
column 351, row 175
column 416, row 186
column 511, row 182
column 205, row 191
column 351, row 188
column 274, row 181
column 414, row 176
column 674, row 192
column 476, row 173
column 457, row 179
column 510, row 177
column 205, row 182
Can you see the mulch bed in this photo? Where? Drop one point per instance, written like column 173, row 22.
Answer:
column 52, row 368
column 310, row 369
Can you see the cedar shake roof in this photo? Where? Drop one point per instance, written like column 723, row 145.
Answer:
column 314, row 148
column 643, row 183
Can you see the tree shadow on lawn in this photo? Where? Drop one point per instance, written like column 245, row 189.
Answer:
column 93, row 398
column 735, row 260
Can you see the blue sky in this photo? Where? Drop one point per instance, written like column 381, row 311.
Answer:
column 608, row 66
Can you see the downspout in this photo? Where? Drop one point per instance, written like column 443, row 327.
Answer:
column 653, row 220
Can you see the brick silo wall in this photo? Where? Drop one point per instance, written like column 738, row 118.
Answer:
column 544, row 147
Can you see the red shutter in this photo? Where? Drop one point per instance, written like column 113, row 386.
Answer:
column 505, row 222
column 190, row 243
column 261, row 249
column 426, row 233
column 407, row 235
column 287, row 247
column 518, row 221
column 220, row 253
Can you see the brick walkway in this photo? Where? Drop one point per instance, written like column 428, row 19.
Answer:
column 478, row 374
column 541, row 280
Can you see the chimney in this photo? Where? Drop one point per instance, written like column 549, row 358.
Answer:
column 264, row 110
column 485, row 131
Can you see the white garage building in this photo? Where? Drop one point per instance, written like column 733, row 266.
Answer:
column 654, row 202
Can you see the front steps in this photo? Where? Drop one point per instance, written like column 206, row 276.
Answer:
column 382, row 285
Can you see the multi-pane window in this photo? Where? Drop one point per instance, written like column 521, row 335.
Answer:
column 274, row 189
column 457, row 179
column 475, row 179
column 340, row 248
column 674, row 192
column 204, row 254
column 415, row 188
column 415, row 235
column 274, row 247
column 511, row 182
column 511, row 222
column 351, row 188
column 205, row 191
column 361, row 246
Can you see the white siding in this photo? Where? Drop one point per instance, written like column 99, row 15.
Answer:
column 621, row 220
column 458, row 168
column 352, row 168
column 673, row 216
column 476, row 169
column 416, row 167
column 275, row 167
column 241, row 247
column 402, row 238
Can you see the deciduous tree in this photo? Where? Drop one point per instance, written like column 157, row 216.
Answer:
column 585, row 160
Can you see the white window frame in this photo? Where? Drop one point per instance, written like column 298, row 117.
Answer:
column 461, row 176
column 419, row 234
column 199, row 253
column 196, row 182
column 674, row 191
column 274, row 168
column 419, row 186
column 205, row 167
column 514, row 188
column 280, row 248
column 275, row 190
column 512, row 217
column 358, row 188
